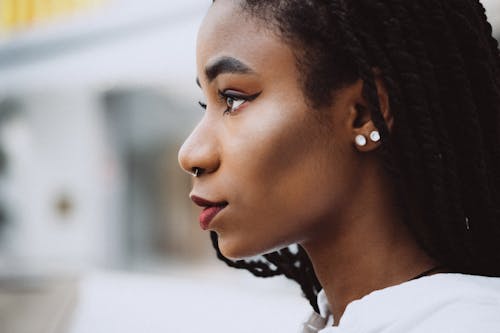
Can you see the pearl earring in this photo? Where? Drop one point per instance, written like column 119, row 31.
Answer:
column 360, row 140
column 375, row 136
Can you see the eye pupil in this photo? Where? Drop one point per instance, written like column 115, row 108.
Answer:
column 230, row 102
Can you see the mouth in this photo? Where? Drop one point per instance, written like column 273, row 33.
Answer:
column 210, row 210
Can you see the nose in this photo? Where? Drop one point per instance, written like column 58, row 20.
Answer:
column 200, row 152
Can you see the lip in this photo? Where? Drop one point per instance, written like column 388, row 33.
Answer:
column 210, row 210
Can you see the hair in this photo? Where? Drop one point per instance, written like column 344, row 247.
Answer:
column 440, row 65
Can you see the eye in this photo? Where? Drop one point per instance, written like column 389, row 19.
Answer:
column 233, row 104
column 234, row 100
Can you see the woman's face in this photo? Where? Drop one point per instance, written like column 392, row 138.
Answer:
column 278, row 171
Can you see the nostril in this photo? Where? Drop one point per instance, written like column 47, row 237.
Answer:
column 197, row 171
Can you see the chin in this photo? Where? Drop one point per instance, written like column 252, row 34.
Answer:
column 238, row 249
column 235, row 250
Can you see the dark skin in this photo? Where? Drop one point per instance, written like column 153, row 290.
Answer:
column 291, row 173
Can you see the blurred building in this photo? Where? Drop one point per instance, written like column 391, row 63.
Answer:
column 95, row 99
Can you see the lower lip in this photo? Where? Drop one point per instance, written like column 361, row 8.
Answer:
column 208, row 214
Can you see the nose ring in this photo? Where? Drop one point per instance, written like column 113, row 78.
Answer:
column 196, row 172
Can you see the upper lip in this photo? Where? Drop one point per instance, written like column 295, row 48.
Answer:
column 206, row 203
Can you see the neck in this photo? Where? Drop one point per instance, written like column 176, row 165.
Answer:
column 367, row 248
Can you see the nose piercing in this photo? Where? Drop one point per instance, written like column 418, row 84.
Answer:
column 196, row 172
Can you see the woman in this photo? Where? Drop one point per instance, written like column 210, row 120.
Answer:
column 366, row 132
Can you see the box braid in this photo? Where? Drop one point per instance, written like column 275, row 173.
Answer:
column 441, row 66
column 294, row 265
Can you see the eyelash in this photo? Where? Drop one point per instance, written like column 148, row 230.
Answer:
column 224, row 97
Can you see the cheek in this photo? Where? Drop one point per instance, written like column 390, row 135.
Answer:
column 269, row 145
column 284, row 178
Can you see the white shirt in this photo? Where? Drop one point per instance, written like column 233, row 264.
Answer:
column 454, row 303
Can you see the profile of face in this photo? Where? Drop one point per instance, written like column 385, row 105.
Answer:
column 272, row 170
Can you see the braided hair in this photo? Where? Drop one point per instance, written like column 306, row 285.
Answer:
column 441, row 67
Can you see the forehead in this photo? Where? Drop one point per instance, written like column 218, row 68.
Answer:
column 228, row 31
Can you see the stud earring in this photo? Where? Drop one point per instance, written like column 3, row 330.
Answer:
column 360, row 140
column 375, row 136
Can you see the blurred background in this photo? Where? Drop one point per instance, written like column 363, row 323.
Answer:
column 97, row 233
column 96, row 230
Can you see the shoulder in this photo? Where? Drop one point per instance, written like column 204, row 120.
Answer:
column 468, row 304
column 439, row 303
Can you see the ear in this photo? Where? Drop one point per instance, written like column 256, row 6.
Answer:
column 364, row 133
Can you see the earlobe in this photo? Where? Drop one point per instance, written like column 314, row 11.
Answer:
column 366, row 135
column 368, row 142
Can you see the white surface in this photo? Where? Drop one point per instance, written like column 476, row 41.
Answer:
column 439, row 303
column 115, row 302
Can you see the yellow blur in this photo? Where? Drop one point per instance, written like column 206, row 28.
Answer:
column 21, row 14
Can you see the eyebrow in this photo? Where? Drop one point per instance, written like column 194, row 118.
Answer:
column 225, row 65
